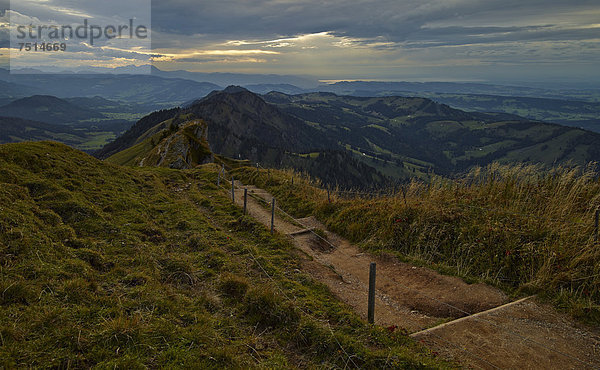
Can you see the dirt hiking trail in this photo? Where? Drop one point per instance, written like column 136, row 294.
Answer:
column 518, row 335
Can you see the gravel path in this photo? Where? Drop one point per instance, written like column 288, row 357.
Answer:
column 523, row 335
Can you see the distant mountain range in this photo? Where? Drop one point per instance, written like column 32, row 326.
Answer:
column 305, row 123
column 48, row 109
column 217, row 78
column 225, row 79
column 374, row 88
column 166, row 89
column 10, row 92
column 358, row 141
column 149, row 90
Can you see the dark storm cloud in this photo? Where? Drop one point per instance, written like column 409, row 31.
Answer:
column 449, row 36
column 64, row 11
column 378, row 39
column 4, row 32
column 395, row 20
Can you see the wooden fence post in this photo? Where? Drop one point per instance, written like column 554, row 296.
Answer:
column 245, row 200
column 232, row 189
column 371, row 309
column 273, row 216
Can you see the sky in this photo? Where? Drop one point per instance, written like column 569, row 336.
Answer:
column 499, row 41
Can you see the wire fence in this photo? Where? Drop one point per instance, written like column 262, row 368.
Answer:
column 536, row 215
column 349, row 358
column 414, row 291
column 462, row 311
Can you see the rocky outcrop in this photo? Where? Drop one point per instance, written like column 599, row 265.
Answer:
column 186, row 147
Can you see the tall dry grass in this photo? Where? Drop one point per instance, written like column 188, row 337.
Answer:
column 526, row 229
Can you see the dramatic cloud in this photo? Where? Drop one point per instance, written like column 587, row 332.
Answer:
column 387, row 39
column 488, row 40
column 33, row 24
column 397, row 20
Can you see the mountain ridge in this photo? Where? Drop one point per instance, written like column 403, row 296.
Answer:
column 392, row 138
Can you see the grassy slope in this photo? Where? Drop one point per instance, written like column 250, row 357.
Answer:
column 522, row 229
column 107, row 266
column 131, row 156
column 144, row 144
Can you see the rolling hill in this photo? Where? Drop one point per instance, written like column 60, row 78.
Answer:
column 582, row 114
column 142, row 89
column 87, row 137
column 94, row 121
column 10, row 92
column 17, row 130
column 242, row 125
column 49, row 109
column 420, row 135
column 388, row 137
column 566, row 106
column 574, row 108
